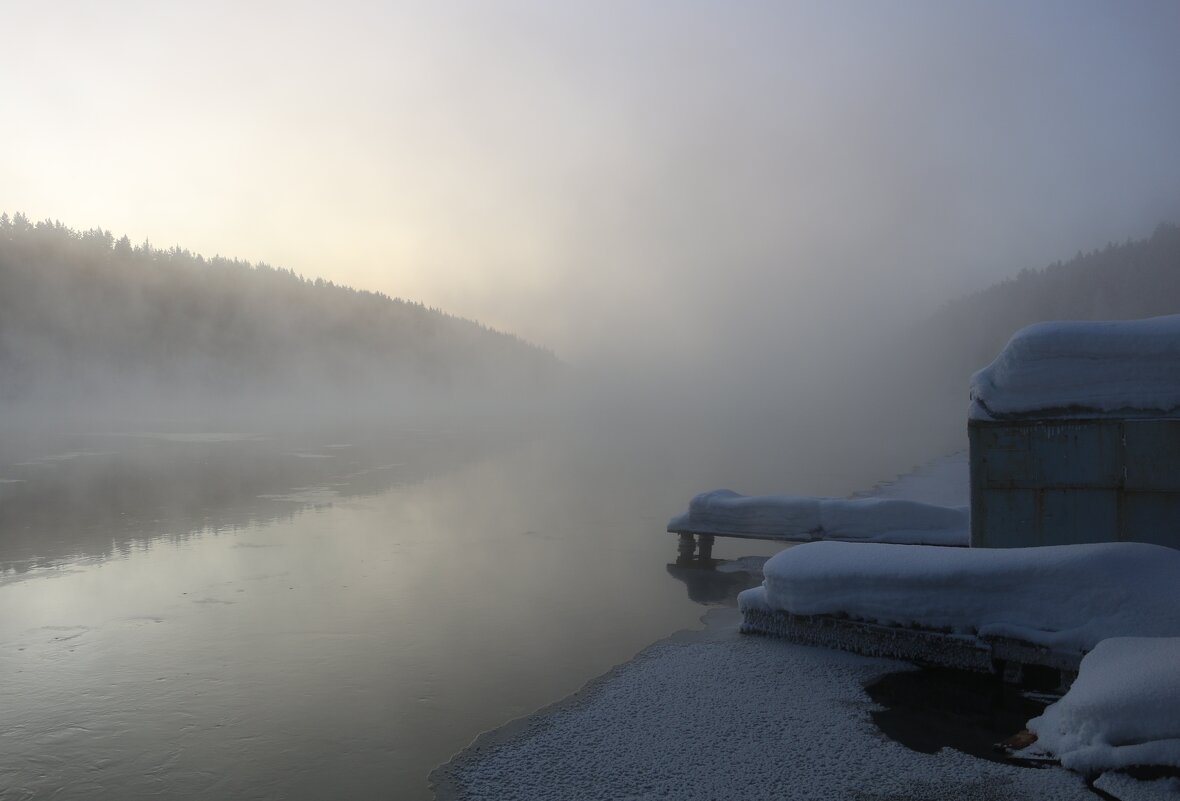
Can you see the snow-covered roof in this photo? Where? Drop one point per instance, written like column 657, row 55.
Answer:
column 1065, row 597
column 1126, row 368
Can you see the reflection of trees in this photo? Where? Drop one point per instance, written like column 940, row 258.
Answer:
column 112, row 492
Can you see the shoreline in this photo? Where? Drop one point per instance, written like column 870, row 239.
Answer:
column 710, row 714
column 718, row 623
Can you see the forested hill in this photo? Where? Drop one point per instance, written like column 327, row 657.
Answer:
column 83, row 312
column 1125, row 281
column 920, row 379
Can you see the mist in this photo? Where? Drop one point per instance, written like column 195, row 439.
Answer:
column 705, row 211
column 354, row 356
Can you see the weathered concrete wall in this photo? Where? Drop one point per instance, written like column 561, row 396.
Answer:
column 1068, row 481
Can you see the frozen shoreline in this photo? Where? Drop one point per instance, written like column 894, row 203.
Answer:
column 713, row 714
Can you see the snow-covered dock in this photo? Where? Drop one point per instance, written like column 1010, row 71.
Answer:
column 723, row 513
column 975, row 609
column 927, row 507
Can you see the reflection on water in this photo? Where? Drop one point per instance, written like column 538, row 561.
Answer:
column 310, row 617
column 95, row 495
column 709, row 582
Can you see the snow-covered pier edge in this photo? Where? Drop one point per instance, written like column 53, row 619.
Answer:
column 1003, row 610
column 1015, row 661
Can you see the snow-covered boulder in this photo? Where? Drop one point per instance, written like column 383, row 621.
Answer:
column 805, row 518
column 1123, row 709
column 1065, row 597
column 1128, row 368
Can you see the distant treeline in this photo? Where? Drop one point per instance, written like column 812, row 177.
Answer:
column 930, row 366
column 1126, row 281
column 82, row 311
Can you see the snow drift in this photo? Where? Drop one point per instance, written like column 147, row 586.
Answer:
column 1123, row 709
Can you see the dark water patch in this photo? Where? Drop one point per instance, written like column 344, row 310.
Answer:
column 715, row 582
column 930, row 709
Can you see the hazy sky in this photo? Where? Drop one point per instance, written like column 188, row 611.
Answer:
column 703, row 178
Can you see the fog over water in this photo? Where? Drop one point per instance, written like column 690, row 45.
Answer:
column 264, row 536
column 674, row 184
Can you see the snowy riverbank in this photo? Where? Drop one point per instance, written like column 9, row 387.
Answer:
column 716, row 715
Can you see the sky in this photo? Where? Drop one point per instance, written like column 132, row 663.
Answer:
column 678, row 182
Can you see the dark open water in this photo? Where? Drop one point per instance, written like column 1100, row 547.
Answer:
column 331, row 615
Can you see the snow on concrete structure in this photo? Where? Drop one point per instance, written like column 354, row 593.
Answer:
column 1122, row 711
column 1087, row 370
column 965, row 607
column 1074, row 430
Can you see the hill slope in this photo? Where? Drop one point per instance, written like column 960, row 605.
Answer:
column 926, row 370
column 81, row 312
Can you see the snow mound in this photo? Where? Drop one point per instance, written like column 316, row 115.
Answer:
column 804, row 518
column 1064, row 597
column 1083, row 369
column 1123, row 709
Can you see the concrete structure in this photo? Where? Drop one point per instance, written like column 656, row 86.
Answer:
column 1054, row 482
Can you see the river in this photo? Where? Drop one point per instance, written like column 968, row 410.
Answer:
column 206, row 614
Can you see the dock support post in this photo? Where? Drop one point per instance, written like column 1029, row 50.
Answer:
column 705, row 546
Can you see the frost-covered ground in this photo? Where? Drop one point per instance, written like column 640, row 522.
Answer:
column 721, row 716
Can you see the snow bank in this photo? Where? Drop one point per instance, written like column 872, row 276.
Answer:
column 1083, row 369
column 1065, row 597
column 791, row 517
column 1123, row 709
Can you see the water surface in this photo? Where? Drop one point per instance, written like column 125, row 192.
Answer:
column 205, row 614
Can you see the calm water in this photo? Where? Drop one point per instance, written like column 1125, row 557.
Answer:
column 203, row 615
